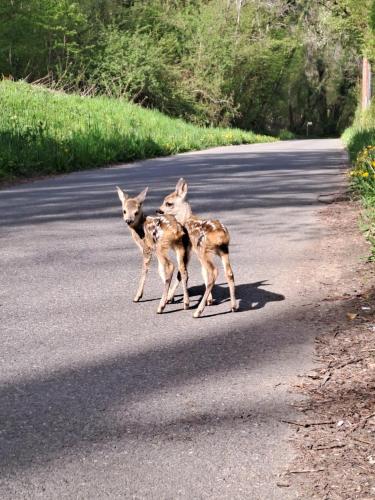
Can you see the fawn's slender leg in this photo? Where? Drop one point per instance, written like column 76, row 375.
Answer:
column 205, row 279
column 145, row 267
column 173, row 289
column 212, row 272
column 230, row 279
column 166, row 269
column 182, row 272
column 186, row 257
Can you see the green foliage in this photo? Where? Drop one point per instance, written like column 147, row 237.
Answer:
column 360, row 140
column 363, row 173
column 133, row 65
column 362, row 132
column 368, row 222
column 267, row 66
column 47, row 132
column 39, row 35
column 286, row 135
column 370, row 45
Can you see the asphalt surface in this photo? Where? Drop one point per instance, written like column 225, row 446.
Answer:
column 103, row 398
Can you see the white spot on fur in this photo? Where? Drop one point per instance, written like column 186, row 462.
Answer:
column 165, row 220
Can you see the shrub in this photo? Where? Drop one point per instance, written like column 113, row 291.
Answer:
column 286, row 135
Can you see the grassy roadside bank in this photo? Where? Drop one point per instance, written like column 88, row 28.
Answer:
column 361, row 133
column 360, row 141
column 44, row 132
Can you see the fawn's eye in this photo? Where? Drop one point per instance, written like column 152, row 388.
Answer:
column 169, row 204
column 124, row 212
column 136, row 213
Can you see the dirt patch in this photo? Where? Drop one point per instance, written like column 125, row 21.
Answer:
column 335, row 432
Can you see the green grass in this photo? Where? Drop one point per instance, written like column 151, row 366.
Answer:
column 361, row 133
column 360, row 141
column 44, row 132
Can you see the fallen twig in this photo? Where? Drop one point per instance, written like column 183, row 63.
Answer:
column 350, row 362
column 326, row 378
column 330, row 446
column 337, row 331
column 364, row 422
column 308, row 424
column 363, row 441
column 293, row 423
column 305, row 471
column 283, row 485
column 328, row 422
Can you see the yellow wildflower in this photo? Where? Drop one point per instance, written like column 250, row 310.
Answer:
column 365, row 174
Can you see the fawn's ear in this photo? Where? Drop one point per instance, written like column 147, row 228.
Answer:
column 142, row 195
column 121, row 194
column 181, row 188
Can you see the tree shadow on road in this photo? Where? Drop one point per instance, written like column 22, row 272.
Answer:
column 260, row 180
column 42, row 417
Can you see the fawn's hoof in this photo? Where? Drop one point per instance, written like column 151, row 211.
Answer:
column 235, row 309
column 210, row 302
column 197, row 313
column 160, row 310
column 186, row 306
column 137, row 298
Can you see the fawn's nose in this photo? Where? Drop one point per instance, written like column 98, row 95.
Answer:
column 129, row 221
column 160, row 212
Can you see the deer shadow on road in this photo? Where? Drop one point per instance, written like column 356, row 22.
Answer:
column 250, row 296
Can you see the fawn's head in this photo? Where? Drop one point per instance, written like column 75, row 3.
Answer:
column 176, row 203
column 132, row 207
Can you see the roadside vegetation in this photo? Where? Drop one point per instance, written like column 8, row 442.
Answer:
column 266, row 66
column 361, row 133
column 271, row 68
column 84, row 83
column 360, row 140
column 46, row 132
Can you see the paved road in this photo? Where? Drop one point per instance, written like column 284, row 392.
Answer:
column 102, row 398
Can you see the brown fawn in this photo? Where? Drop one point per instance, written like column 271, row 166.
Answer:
column 208, row 238
column 157, row 235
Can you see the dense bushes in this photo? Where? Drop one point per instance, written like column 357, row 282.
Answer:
column 46, row 132
column 264, row 66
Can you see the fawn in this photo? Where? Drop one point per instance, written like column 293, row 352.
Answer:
column 208, row 238
column 157, row 235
